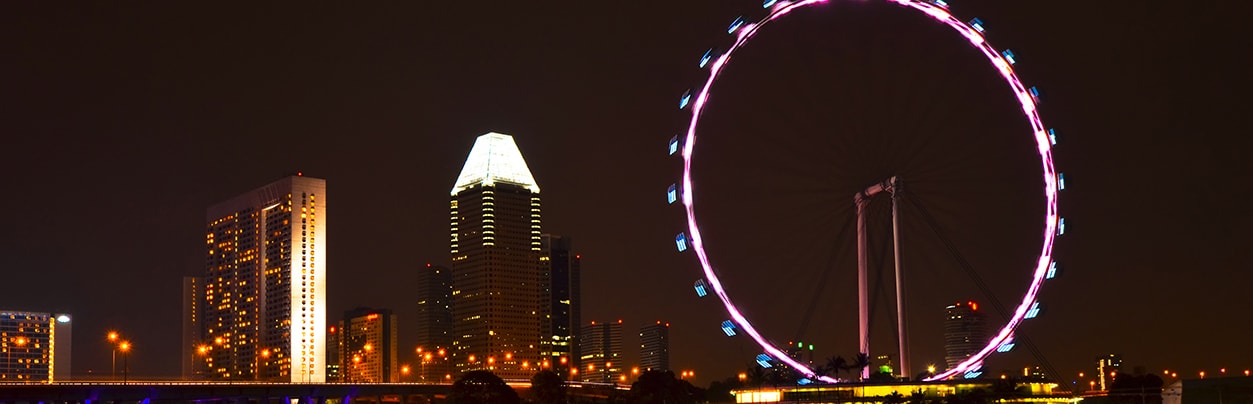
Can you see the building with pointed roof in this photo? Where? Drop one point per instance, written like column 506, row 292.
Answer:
column 497, row 315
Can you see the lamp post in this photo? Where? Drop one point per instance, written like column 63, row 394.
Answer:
column 21, row 342
column 202, row 350
column 112, row 337
column 125, row 347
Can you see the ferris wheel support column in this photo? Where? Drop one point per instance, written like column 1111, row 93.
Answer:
column 863, row 290
column 901, row 332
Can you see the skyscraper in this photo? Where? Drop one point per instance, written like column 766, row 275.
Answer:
column 1107, row 369
column 264, row 311
column 36, row 346
column 496, row 305
column 601, row 352
column 560, row 282
column 434, row 321
column 368, row 346
column 655, row 346
column 964, row 332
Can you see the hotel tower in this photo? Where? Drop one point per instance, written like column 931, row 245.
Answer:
column 263, row 315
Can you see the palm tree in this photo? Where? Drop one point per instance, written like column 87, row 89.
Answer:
column 863, row 361
column 836, row 364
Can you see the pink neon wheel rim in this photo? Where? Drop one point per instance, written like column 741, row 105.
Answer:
column 977, row 40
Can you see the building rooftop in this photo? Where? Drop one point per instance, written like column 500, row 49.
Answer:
column 495, row 158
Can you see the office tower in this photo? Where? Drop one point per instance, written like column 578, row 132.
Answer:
column 264, row 307
column 36, row 346
column 560, row 279
column 434, row 322
column 193, row 348
column 495, row 244
column 964, row 332
column 1107, row 369
column 368, row 346
column 601, row 352
column 334, row 346
column 655, row 346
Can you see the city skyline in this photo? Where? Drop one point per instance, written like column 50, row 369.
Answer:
column 119, row 141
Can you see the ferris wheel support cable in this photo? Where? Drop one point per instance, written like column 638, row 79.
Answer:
column 996, row 303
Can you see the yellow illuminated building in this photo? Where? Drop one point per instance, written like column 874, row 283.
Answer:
column 34, row 347
column 263, row 313
column 368, row 347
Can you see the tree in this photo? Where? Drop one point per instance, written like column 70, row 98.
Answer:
column 548, row 387
column 662, row 387
column 837, row 364
column 482, row 387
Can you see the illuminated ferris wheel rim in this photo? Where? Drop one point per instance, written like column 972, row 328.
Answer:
column 973, row 32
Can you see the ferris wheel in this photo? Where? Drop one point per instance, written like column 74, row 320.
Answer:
column 714, row 62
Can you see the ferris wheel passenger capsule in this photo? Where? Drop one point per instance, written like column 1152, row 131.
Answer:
column 1061, row 226
column 687, row 97
column 940, row 3
column 672, row 194
column 1052, row 137
column 768, row 3
column 764, row 360
column 1052, row 272
column 728, row 328
column 977, row 24
column 680, row 241
column 1061, row 181
column 1009, row 56
column 701, row 288
column 739, row 22
column 1034, row 311
column 704, row 59
column 674, row 145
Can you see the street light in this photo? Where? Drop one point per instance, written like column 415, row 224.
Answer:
column 20, row 341
column 125, row 347
column 112, row 337
column 203, row 351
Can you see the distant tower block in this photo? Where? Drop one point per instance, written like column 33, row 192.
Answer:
column 655, row 346
column 964, row 332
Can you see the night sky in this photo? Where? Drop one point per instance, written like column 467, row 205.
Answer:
column 122, row 124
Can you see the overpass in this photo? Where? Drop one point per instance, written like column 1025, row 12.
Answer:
column 221, row 393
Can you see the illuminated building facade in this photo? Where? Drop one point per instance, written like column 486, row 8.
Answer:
column 434, row 322
column 1107, row 369
column 560, row 280
column 655, row 346
column 600, row 352
column 264, row 307
column 496, row 297
column 36, row 346
column 334, row 346
column 193, row 348
column 964, row 332
column 368, row 346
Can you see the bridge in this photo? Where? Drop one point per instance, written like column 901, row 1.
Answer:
column 223, row 393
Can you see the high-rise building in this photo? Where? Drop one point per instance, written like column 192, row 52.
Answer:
column 334, row 346
column 36, row 346
column 496, row 307
column 1107, row 369
column 560, row 282
column 964, row 332
column 434, row 326
column 368, row 346
column 194, row 350
column 655, row 346
column 601, row 352
column 264, row 307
